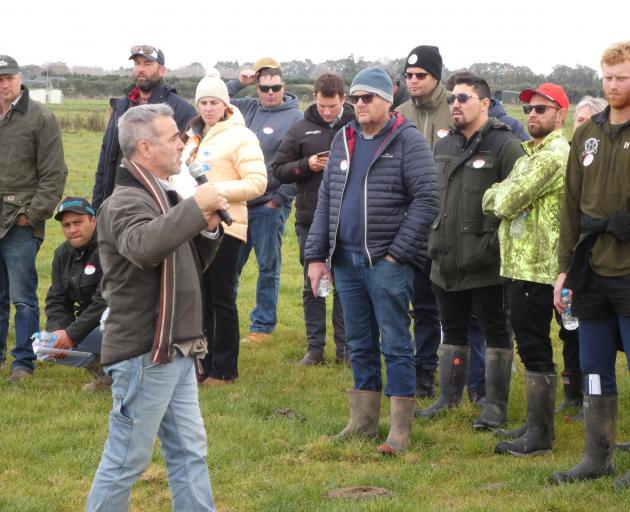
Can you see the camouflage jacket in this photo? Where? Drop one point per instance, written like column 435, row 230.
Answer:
column 531, row 193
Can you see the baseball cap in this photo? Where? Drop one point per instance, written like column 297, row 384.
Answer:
column 265, row 62
column 8, row 65
column 550, row 91
column 148, row 52
column 76, row 205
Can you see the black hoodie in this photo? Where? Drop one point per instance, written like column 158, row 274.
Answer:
column 305, row 138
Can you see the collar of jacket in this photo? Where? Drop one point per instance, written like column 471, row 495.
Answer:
column 312, row 114
column 22, row 105
column 438, row 97
column 78, row 253
column 530, row 149
column 158, row 94
column 604, row 116
column 492, row 124
column 352, row 128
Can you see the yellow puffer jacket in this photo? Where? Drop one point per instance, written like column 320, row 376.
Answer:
column 237, row 165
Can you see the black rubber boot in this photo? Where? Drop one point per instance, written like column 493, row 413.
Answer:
column 573, row 384
column 365, row 411
column 511, row 434
column 600, row 418
column 540, row 433
column 623, row 446
column 498, row 375
column 453, row 374
column 425, row 383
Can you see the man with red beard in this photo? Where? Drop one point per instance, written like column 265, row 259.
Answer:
column 594, row 260
column 148, row 87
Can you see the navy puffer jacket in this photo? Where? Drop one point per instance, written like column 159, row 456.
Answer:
column 400, row 199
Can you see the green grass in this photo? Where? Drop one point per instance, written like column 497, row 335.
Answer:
column 52, row 435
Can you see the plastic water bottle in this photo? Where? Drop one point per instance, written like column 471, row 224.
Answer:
column 568, row 320
column 518, row 225
column 43, row 339
column 325, row 287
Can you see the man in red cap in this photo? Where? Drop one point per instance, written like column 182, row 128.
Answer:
column 528, row 203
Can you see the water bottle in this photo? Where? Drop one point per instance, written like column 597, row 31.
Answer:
column 569, row 321
column 43, row 339
column 325, row 287
column 518, row 225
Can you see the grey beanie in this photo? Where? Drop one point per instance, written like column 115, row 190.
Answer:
column 212, row 85
column 374, row 80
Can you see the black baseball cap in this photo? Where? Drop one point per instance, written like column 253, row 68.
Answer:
column 76, row 205
column 8, row 65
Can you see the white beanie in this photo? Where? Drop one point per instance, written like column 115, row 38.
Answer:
column 212, row 85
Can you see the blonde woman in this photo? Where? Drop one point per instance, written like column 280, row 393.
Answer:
column 230, row 153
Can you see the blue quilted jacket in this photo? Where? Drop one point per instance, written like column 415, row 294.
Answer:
column 400, row 199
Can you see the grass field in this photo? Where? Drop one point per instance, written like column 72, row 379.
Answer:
column 52, row 435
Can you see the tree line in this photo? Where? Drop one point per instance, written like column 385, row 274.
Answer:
column 94, row 82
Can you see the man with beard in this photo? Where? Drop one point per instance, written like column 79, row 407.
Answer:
column 594, row 260
column 301, row 159
column 148, row 87
column 464, row 249
column 528, row 203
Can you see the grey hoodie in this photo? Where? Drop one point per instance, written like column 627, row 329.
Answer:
column 269, row 125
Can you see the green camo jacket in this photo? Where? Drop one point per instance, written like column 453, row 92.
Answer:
column 534, row 187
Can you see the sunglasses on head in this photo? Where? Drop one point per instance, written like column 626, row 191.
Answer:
column 539, row 109
column 365, row 98
column 461, row 98
column 267, row 88
column 419, row 76
column 144, row 49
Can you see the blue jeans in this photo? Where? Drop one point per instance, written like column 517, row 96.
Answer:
column 18, row 286
column 599, row 340
column 375, row 300
column 153, row 400
column 264, row 234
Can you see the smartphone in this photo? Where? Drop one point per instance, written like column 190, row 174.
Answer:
column 323, row 154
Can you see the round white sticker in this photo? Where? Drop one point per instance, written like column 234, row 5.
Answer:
column 343, row 165
column 442, row 132
column 478, row 164
column 413, row 58
column 267, row 130
column 588, row 159
column 89, row 269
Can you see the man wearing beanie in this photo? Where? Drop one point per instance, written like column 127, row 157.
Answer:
column 377, row 201
column 428, row 110
column 148, row 87
column 269, row 116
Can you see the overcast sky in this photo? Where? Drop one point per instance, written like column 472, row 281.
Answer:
column 100, row 33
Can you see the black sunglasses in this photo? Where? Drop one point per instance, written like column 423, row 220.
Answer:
column 462, row 98
column 145, row 49
column 366, row 98
column 540, row 109
column 419, row 76
column 267, row 88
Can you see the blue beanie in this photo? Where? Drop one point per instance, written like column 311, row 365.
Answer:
column 374, row 80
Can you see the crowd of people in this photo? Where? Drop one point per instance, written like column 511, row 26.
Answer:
column 420, row 200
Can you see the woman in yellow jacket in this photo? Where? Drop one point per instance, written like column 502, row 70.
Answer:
column 234, row 162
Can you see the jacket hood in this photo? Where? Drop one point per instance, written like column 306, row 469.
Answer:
column 312, row 114
column 492, row 124
column 496, row 109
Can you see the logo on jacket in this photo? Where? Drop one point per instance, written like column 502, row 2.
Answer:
column 590, row 145
column 89, row 269
column 267, row 130
column 313, row 132
column 387, row 155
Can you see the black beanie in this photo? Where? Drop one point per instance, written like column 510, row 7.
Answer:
column 426, row 57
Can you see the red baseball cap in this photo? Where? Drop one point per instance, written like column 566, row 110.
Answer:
column 550, row 91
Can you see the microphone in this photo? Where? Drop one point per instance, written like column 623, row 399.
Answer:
column 198, row 171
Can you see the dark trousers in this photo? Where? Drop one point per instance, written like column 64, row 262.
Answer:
column 315, row 309
column 220, row 312
column 456, row 309
column 531, row 311
column 570, row 347
column 426, row 321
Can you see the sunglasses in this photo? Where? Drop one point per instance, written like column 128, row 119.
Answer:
column 365, row 98
column 419, row 76
column 144, row 50
column 267, row 88
column 461, row 98
column 540, row 109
